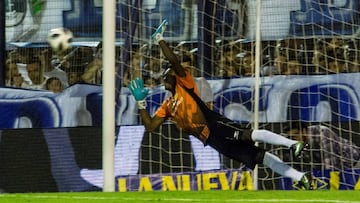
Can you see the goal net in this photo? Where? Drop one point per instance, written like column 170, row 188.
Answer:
column 308, row 75
column 308, row 69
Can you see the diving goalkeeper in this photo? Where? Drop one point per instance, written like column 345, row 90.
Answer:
column 190, row 113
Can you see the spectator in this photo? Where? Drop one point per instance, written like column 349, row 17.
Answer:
column 247, row 61
column 133, row 66
column 54, row 84
column 56, row 80
column 330, row 56
column 151, row 71
column 318, row 60
column 351, row 55
column 293, row 67
column 327, row 149
column 18, row 81
column 336, row 65
column 280, row 63
column 35, row 75
column 247, row 64
column 91, row 71
column 11, row 72
column 227, row 64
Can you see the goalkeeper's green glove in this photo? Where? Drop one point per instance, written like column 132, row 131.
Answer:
column 139, row 92
column 158, row 34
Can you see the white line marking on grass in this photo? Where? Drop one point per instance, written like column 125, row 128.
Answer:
column 173, row 199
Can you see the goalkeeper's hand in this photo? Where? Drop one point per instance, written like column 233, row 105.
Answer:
column 139, row 92
column 158, row 34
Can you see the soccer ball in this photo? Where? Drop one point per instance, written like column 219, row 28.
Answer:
column 60, row 39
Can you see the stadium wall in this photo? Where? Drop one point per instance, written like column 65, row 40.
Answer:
column 69, row 160
column 334, row 98
column 48, row 160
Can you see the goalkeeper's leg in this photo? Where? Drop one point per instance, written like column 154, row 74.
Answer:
column 269, row 137
column 278, row 166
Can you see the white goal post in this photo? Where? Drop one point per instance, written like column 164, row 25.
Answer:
column 108, row 125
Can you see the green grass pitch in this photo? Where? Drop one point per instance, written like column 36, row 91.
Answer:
column 275, row 196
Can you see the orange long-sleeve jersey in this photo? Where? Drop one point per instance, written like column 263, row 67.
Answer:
column 183, row 110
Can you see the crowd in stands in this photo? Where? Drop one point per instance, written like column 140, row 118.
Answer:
column 39, row 68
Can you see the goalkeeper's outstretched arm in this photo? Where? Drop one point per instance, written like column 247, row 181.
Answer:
column 150, row 123
column 167, row 51
column 174, row 61
column 137, row 89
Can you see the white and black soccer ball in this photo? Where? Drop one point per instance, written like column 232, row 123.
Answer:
column 60, row 39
